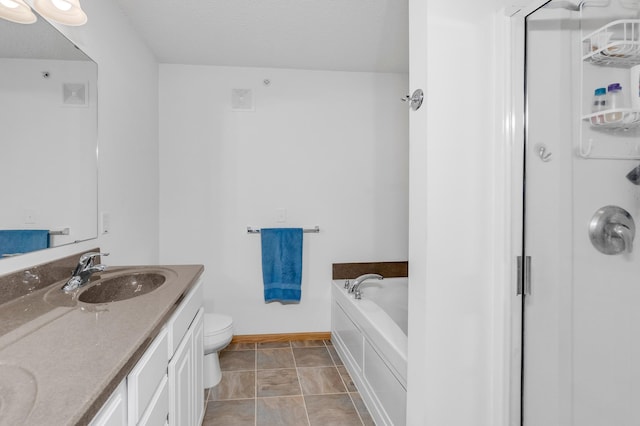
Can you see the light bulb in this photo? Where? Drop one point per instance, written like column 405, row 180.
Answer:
column 16, row 11
column 61, row 4
column 67, row 12
column 9, row 3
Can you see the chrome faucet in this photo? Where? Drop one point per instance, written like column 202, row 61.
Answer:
column 355, row 286
column 84, row 270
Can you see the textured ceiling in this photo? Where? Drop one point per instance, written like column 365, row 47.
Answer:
column 342, row 35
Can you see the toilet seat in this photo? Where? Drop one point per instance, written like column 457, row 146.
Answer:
column 215, row 324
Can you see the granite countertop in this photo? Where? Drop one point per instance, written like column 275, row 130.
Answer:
column 60, row 359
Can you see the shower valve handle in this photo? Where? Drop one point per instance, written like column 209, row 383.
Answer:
column 623, row 233
column 612, row 230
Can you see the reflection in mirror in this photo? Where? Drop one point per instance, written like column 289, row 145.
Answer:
column 48, row 142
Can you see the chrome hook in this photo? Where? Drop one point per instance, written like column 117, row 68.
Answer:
column 544, row 155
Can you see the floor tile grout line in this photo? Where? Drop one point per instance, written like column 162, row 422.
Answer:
column 298, row 369
column 355, row 407
column 346, row 387
column 237, row 371
column 231, row 399
column 277, row 368
column 280, row 396
column 304, row 401
column 328, row 393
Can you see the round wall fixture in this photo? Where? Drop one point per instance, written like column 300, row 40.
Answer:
column 612, row 230
column 415, row 100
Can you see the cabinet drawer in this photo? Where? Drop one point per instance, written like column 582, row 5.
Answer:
column 158, row 409
column 145, row 377
column 182, row 318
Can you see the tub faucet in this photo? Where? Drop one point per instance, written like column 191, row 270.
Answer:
column 84, row 270
column 355, row 287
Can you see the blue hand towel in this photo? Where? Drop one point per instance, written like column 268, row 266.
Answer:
column 15, row 241
column 282, row 264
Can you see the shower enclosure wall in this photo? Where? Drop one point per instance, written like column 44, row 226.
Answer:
column 580, row 319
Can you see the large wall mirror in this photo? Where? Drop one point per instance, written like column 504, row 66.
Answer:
column 48, row 140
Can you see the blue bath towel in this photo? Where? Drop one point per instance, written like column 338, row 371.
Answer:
column 16, row 241
column 282, row 264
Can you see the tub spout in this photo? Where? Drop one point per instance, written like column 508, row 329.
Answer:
column 355, row 287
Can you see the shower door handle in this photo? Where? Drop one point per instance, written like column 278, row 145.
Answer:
column 523, row 286
column 527, row 275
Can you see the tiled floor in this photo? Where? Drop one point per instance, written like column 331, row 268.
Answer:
column 284, row 383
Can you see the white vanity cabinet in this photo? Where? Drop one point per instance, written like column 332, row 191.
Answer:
column 166, row 385
column 114, row 411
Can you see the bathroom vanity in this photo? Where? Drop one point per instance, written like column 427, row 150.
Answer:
column 134, row 360
column 166, row 385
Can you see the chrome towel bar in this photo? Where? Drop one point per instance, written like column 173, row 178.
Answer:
column 314, row 230
column 64, row 231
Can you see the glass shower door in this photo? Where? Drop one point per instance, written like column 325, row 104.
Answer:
column 581, row 319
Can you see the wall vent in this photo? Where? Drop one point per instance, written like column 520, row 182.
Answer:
column 74, row 94
column 242, row 100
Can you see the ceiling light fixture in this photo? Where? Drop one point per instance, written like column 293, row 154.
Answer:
column 16, row 11
column 67, row 12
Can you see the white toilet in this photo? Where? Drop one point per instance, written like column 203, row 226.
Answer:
column 218, row 331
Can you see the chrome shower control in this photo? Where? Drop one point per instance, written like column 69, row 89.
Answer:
column 612, row 230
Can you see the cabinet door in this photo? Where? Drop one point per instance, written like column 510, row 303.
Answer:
column 198, row 366
column 158, row 409
column 114, row 411
column 146, row 376
column 181, row 383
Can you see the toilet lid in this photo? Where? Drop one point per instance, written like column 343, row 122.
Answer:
column 215, row 323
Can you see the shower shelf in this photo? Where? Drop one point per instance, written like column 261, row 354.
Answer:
column 629, row 119
column 606, row 55
column 617, row 44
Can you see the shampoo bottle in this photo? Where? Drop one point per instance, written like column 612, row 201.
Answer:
column 615, row 101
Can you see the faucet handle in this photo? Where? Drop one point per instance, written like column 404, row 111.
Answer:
column 347, row 284
column 86, row 260
column 91, row 255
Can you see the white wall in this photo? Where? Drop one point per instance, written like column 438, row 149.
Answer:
column 128, row 140
column 454, row 246
column 329, row 147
